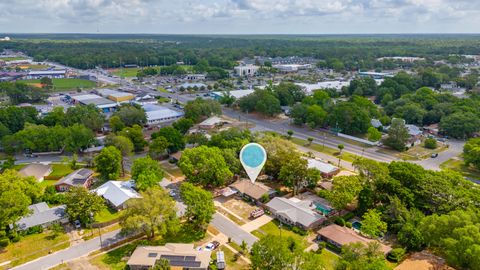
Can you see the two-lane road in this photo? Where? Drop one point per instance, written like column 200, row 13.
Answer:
column 232, row 230
column 74, row 252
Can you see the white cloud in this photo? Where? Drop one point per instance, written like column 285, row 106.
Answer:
column 240, row 16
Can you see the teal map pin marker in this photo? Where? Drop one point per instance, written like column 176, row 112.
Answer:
column 253, row 157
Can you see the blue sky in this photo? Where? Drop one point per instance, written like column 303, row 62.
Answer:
column 240, row 16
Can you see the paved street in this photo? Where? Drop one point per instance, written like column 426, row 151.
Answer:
column 74, row 252
column 232, row 230
column 455, row 149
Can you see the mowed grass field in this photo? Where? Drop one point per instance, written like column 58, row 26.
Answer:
column 66, row 84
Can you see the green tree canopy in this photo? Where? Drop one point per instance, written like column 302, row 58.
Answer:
column 176, row 141
column 205, row 165
column 108, row 163
column 199, row 202
column 154, row 214
column 147, row 173
column 81, row 204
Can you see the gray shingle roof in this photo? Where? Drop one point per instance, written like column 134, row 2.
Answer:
column 297, row 212
column 41, row 214
column 76, row 178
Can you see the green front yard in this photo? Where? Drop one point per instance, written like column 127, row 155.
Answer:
column 232, row 263
column 459, row 166
column 114, row 259
column 327, row 150
column 33, row 246
column 66, row 83
column 273, row 228
column 329, row 258
column 107, row 214
column 60, row 170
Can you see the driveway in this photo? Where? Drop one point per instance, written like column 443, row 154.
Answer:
column 74, row 252
column 454, row 150
column 232, row 230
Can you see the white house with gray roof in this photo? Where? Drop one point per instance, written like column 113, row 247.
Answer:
column 42, row 215
column 296, row 212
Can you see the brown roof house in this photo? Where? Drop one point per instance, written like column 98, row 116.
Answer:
column 179, row 256
column 79, row 178
column 37, row 170
column 254, row 191
column 339, row 236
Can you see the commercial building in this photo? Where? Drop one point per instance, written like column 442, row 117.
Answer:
column 292, row 67
column 78, row 178
column 179, row 256
column 102, row 103
column 246, row 70
column 42, row 215
column 310, row 87
column 195, row 77
column 158, row 114
column 52, row 74
column 37, row 170
column 237, row 94
column 117, row 193
column 340, row 236
column 374, row 75
column 116, row 96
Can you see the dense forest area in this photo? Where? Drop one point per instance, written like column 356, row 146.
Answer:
column 356, row 52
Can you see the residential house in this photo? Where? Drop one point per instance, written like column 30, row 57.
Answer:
column 306, row 211
column 117, row 193
column 42, row 215
column 37, row 170
column 79, row 178
column 327, row 170
column 254, row 191
column 212, row 122
column 179, row 256
column 340, row 236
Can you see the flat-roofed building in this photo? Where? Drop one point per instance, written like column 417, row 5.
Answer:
column 102, row 103
column 327, row 170
column 158, row 114
column 246, row 70
column 116, row 96
column 179, row 256
column 310, row 87
column 237, row 94
column 52, row 74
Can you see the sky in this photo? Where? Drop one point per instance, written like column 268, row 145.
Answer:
column 240, row 16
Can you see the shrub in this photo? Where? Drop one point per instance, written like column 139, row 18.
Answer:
column 396, row 254
column 321, row 246
column 348, row 216
column 16, row 238
column 340, row 221
column 430, row 143
column 299, row 231
column 34, row 230
column 348, row 224
column 4, row 242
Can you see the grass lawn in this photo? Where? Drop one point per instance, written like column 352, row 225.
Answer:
column 107, row 214
column 329, row 258
column 12, row 58
column 66, row 84
column 33, row 246
column 273, row 228
column 230, row 216
column 114, row 259
column 60, row 170
column 459, row 166
column 92, row 233
column 161, row 89
column 34, row 67
column 327, row 150
column 18, row 167
column 232, row 264
column 419, row 152
column 172, row 169
column 126, row 72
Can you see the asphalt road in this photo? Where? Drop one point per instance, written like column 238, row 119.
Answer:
column 232, row 230
column 74, row 252
column 454, row 150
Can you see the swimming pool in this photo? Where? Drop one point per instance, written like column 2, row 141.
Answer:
column 322, row 208
column 357, row 225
